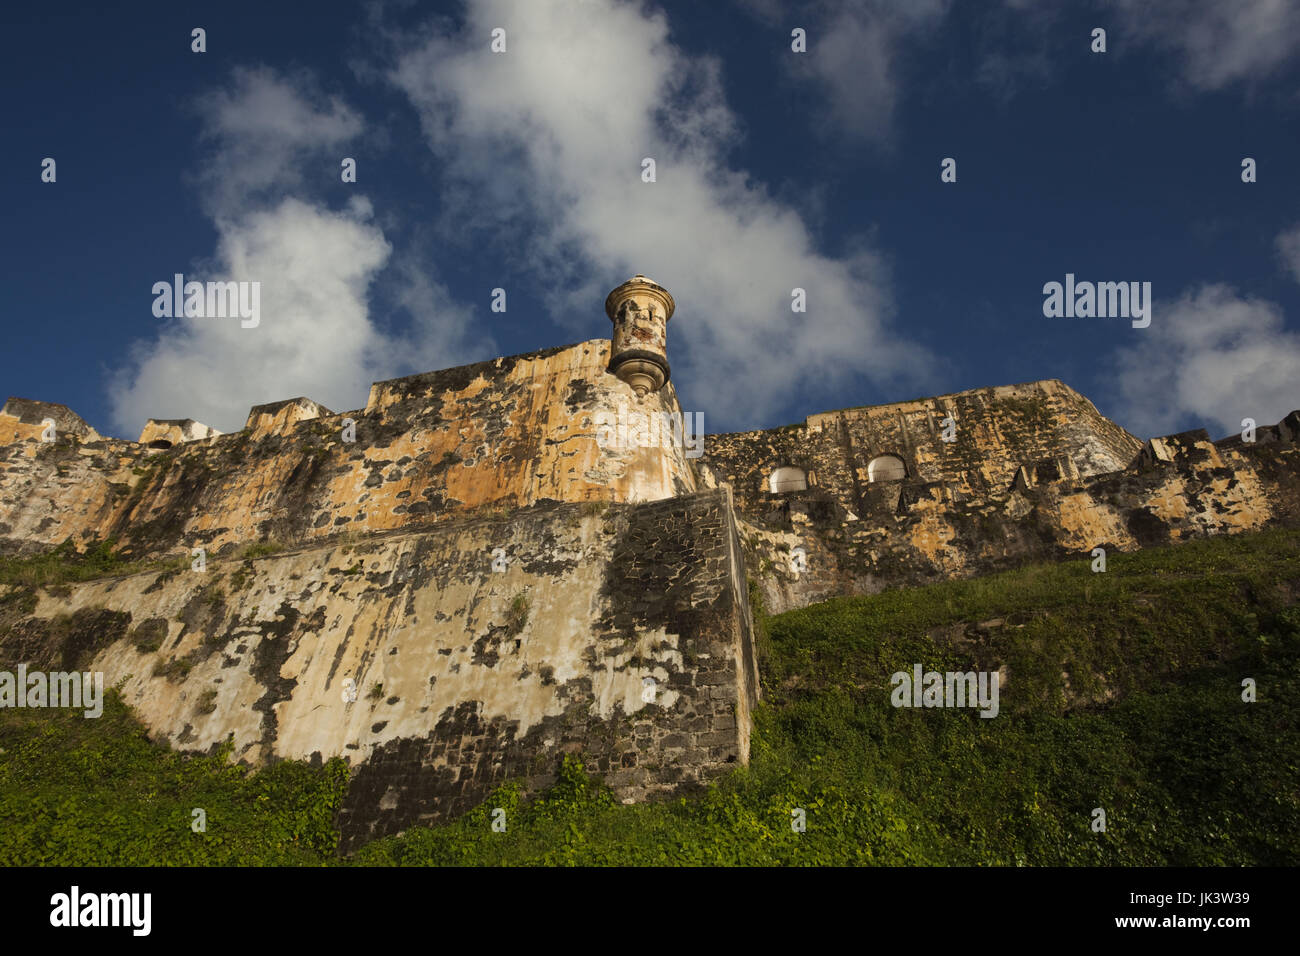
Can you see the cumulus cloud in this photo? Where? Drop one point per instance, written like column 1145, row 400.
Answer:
column 259, row 129
column 313, row 337
column 546, row 143
column 1209, row 359
column 315, row 266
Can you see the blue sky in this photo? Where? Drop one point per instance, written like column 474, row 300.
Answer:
column 774, row 170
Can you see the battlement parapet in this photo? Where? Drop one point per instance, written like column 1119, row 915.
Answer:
column 163, row 433
column 24, row 419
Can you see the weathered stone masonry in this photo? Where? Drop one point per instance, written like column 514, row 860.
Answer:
column 498, row 585
column 507, row 433
column 1034, row 473
column 672, row 610
column 457, row 689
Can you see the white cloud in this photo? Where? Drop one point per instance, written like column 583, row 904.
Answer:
column 854, row 56
column 1209, row 359
column 1288, row 250
column 316, row 268
column 1219, row 43
column 260, row 128
column 313, row 338
column 1215, row 43
column 546, row 143
column 857, row 49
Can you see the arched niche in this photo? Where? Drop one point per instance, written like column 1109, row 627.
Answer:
column 886, row 468
column 787, row 478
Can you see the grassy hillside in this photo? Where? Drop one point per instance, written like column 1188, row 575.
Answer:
column 1123, row 692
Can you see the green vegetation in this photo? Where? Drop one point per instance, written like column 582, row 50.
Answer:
column 97, row 792
column 1124, row 692
column 1170, row 633
column 241, row 576
column 259, row 548
column 149, row 635
column 517, row 615
column 177, row 667
column 65, row 564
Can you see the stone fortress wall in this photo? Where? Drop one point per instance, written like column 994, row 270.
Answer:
column 855, row 501
column 620, row 632
column 507, row 434
column 475, row 579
